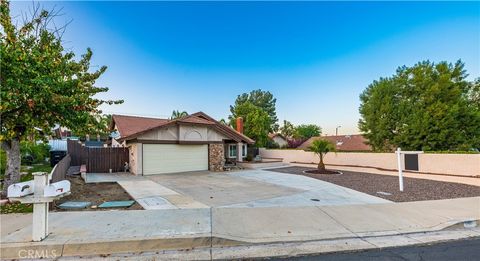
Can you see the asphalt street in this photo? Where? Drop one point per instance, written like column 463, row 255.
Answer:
column 468, row 249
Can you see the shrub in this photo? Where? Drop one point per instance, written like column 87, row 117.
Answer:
column 33, row 153
column 294, row 143
column 272, row 144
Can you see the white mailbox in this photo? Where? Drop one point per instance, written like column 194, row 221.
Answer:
column 21, row 189
column 57, row 188
column 43, row 193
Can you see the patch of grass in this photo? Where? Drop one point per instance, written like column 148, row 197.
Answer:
column 43, row 167
column 16, row 208
column 25, row 208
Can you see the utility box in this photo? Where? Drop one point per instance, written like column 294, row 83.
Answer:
column 56, row 156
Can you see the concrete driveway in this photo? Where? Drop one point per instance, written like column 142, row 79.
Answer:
column 259, row 188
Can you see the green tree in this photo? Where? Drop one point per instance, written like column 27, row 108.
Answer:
column 306, row 131
column 321, row 147
column 425, row 107
column 42, row 84
column 176, row 114
column 256, row 122
column 261, row 99
column 380, row 113
column 103, row 132
column 288, row 129
column 473, row 94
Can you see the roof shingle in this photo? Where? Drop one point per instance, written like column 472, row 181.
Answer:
column 130, row 125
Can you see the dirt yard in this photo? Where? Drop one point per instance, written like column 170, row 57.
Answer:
column 414, row 189
column 97, row 193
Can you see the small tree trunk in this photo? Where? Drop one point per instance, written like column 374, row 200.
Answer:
column 12, row 170
column 321, row 165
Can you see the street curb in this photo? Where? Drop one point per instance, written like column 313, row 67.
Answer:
column 221, row 247
column 102, row 248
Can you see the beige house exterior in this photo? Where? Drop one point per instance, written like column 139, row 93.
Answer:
column 279, row 139
column 193, row 143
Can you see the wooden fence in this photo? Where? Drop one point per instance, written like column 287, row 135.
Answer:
column 60, row 169
column 98, row 159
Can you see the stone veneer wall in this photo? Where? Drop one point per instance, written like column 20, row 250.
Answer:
column 216, row 157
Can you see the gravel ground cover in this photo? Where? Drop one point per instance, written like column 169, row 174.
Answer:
column 414, row 189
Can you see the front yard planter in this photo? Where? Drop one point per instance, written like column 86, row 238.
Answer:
column 415, row 188
column 323, row 172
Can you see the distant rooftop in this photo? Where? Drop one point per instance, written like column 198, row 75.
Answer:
column 343, row 142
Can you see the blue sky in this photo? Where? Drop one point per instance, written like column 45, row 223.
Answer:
column 315, row 57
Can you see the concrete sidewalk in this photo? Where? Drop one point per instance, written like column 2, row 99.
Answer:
column 263, row 225
column 114, row 232
column 110, row 177
column 151, row 195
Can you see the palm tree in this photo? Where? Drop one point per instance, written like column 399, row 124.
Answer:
column 321, row 147
column 176, row 114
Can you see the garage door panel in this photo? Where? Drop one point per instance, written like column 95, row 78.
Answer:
column 169, row 158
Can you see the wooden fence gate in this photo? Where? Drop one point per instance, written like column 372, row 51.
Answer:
column 99, row 160
column 60, row 169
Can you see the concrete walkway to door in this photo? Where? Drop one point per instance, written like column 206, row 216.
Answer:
column 151, row 195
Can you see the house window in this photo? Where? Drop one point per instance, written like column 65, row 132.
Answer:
column 232, row 150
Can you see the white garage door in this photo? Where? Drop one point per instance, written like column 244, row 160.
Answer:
column 168, row 158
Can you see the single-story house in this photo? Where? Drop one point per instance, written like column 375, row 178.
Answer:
column 192, row 143
column 343, row 142
column 278, row 138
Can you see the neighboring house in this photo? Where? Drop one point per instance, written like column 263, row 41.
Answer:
column 278, row 138
column 343, row 142
column 192, row 143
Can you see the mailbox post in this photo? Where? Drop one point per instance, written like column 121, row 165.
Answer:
column 39, row 193
column 40, row 209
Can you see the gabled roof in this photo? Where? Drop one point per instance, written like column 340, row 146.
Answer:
column 273, row 135
column 234, row 134
column 343, row 142
column 195, row 120
column 131, row 127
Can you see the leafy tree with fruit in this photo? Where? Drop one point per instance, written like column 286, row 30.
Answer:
column 42, row 84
